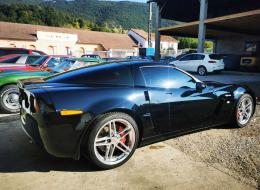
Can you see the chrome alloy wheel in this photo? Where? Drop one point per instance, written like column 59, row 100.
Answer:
column 10, row 99
column 114, row 141
column 244, row 110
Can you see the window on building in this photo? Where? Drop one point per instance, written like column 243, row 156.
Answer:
column 51, row 50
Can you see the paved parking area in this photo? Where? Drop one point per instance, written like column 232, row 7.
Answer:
column 250, row 79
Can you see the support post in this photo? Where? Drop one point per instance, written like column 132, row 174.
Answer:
column 157, row 34
column 150, row 24
column 202, row 25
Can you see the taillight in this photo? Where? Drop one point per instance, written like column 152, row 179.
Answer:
column 212, row 61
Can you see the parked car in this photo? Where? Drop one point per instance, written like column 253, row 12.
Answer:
column 106, row 111
column 50, row 61
column 92, row 56
column 20, row 58
column 8, row 88
column 18, row 67
column 113, row 59
column 140, row 57
column 33, row 62
column 74, row 63
column 201, row 63
column 168, row 59
column 7, row 51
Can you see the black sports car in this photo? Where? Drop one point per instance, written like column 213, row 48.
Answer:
column 105, row 112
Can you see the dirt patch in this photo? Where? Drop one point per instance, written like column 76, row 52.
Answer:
column 233, row 151
column 156, row 147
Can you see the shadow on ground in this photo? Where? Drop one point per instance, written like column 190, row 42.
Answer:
column 19, row 155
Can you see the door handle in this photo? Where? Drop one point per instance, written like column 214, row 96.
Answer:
column 146, row 95
column 169, row 93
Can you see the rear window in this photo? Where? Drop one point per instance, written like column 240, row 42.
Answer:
column 215, row 56
column 12, row 51
column 119, row 76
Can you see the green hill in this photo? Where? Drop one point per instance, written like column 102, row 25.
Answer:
column 114, row 14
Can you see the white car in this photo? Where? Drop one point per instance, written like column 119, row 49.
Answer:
column 201, row 63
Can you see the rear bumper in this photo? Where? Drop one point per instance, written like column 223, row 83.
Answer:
column 57, row 140
column 216, row 68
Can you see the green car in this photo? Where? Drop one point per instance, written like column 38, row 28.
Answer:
column 9, row 93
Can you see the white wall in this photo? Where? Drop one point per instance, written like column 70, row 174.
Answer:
column 165, row 45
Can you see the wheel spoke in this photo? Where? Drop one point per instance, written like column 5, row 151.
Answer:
column 124, row 151
column 248, row 106
column 113, row 127
column 107, row 152
column 112, row 150
column 103, row 141
column 126, row 130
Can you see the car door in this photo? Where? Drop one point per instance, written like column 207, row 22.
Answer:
column 184, row 62
column 197, row 60
column 175, row 102
column 190, row 107
column 159, row 96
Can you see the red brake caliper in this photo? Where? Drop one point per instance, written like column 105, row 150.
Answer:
column 123, row 140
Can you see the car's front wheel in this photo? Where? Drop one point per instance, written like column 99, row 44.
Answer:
column 9, row 99
column 112, row 140
column 244, row 110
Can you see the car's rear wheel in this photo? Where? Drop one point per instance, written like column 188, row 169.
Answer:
column 244, row 111
column 112, row 140
column 9, row 101
column 202, row 70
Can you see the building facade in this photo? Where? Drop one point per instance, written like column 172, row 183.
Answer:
column 65, row 41
column 168, row 45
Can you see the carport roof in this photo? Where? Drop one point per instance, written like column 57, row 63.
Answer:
column 231, row 25
column 188, row 10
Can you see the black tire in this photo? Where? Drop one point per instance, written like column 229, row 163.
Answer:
column 3, row 105
column 90, row 137
column 235, row 121
column 202, row 71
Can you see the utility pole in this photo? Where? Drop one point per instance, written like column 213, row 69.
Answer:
column 150, row 13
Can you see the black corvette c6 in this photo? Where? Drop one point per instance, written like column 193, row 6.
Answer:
column 105, row 112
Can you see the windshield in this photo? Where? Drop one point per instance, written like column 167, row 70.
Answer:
column 39, row 61
column 64, row 66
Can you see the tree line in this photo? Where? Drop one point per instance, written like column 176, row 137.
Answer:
column 49, row 16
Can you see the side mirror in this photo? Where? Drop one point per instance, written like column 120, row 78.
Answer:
column 200, row 86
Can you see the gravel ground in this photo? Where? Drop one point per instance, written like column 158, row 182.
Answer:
column 233, row 151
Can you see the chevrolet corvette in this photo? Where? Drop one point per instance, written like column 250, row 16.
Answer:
column 105, row 112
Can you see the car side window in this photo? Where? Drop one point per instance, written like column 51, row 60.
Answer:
column 199, row 57
column 187, row 58
column 166, row 77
